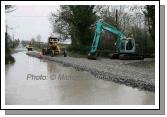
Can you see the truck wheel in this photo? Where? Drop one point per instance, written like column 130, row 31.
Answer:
column 65, row 54
column 52, row 53
column 43, row 51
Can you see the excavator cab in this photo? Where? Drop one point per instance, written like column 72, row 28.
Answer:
column 127, row 45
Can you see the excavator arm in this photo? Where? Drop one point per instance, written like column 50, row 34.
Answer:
column 100, row 25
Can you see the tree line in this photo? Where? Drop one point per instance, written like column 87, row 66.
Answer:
column 9, row 42
column 78, row 23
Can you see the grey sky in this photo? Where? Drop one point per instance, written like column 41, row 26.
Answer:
column 29, row 21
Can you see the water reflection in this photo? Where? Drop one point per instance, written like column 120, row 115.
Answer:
column 78, row 87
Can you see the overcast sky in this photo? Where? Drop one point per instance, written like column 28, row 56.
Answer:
column 29, row 21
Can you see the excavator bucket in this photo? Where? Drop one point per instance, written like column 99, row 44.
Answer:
column 91, row 56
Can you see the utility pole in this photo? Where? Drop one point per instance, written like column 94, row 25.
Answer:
column 13, row 39
column 6, row 28
column 6, row 34
column 116, row 18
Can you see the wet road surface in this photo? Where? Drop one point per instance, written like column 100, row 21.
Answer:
column 31, row 81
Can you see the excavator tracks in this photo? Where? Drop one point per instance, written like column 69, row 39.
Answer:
column 130, row 57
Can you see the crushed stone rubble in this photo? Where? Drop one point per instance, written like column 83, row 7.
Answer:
column 117, row 71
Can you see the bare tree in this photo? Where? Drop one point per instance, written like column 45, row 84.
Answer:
column 38, row 38
column 9, row 8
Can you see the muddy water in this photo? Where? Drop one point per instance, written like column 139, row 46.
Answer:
column 33, row 81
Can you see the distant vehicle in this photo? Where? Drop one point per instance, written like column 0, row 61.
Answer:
column 29, row 47
column 53, row 48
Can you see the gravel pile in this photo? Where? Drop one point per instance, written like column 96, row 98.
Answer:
column 118, row 71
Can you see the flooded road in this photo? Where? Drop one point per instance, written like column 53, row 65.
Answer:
column 31, row 81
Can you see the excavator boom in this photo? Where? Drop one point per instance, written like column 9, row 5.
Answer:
column 100, row 25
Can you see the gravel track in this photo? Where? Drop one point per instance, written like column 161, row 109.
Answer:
column 134, row 73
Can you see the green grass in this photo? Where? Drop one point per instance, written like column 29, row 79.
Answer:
column 63, row 45
column 75, row 54
column 8, row 58
column 37, row 49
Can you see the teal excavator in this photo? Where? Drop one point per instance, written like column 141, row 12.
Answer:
column 125, row 47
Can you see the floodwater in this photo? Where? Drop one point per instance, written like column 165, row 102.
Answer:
column 31, row 81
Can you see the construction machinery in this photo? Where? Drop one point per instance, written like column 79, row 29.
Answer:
column 125, row 47
column 29, row 47
column 53, row 48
